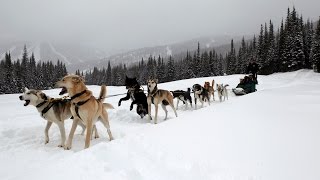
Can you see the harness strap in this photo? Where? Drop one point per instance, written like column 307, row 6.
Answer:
column 79, row 94
column 78, row 104
column 41, row 104
column 46, row 109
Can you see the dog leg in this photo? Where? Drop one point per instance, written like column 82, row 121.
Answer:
column 71, row 134
column 89, row 132
column 165, row 110
column 195, row 103
column 62, row 133
column 105, row 122
column 149, row 109
column 156, row 115
column 46, row 131
column 82, row 126
column 96, row 133
column 177, row 103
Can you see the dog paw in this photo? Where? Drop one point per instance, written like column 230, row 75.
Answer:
column 60, row 145
column 46, row 142
column 97, row 136
column 67, row 147
column 119, row 103
column 131, row 107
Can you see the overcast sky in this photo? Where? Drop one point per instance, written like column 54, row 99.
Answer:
column 128, row 24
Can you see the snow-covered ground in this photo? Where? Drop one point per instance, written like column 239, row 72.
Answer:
column 273, row 134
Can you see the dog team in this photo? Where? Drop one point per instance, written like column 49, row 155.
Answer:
column 86, row 110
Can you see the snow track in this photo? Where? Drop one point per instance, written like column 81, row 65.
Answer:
column 272, row 134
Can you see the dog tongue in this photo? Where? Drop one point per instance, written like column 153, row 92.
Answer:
column 63, row 91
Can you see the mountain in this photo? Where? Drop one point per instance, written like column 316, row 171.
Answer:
column 82, row 57
column 220, row 43
column 72, row 55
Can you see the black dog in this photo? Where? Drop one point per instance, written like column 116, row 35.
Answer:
column 200, row 93
column 183, row 96
column 136, row 95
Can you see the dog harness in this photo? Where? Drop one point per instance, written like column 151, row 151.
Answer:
column 152, row 94
column 80, row 103
column 52, row 102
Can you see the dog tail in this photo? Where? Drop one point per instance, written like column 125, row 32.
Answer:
column 108, row 106
column 103, row 93
column 226, row 85
column 212, row 82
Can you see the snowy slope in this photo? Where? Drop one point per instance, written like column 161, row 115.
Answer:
column 272, row 134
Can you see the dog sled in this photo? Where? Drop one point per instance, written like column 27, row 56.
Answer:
column 247, row 85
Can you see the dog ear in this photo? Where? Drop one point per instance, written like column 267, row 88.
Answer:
column 25, row 89
column 77, row 79
column 42, row 95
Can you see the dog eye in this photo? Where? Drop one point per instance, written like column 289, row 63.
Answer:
column 28, row 93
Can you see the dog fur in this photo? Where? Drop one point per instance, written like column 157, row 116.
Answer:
column 222, row 91
column 201, row 94
column 136, row 95
column 183, row 96
column 157, row 96
column 58, row 113
column 210, row 89
column 89, row 111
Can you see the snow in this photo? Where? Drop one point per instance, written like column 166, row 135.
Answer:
column 272, row 134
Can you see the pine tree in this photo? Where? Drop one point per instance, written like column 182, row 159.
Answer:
column 170, row 70
column 315, row 50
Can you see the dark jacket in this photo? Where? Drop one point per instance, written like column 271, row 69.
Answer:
column 252, row 68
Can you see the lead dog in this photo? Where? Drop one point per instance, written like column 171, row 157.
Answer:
column 158, row 96
column 200, row 93
column 222, row 91
column 183, row 96
column 84, row 107
column 53, row 110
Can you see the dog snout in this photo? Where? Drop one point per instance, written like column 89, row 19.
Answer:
column 21, row 97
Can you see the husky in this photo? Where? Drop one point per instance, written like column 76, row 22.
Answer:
column 222, row 91
column 84, row 106
column 183, row 96
column 136, row 94
column 54, row 110
column 157, row 96
column 210, row 89
column 200, row 93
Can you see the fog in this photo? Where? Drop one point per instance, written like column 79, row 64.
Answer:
column 115, row 25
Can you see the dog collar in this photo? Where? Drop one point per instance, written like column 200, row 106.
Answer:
column 77, row 95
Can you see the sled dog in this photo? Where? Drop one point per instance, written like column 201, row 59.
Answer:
column 136, row 94
column 158, row 96
column 210, row 89
column 84, row 106
column 201, row 94
column 54, row 110
column 222, row 91
column 183, row 96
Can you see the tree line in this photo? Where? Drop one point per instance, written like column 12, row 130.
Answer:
column 292, row 46
column 26, row 72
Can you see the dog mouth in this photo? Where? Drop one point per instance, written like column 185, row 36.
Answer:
column 63, row 91
column 26, row 102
